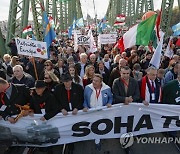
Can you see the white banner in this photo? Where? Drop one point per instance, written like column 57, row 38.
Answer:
column 107, row 38
column 102, row 123
column 31, row 48
column 82, row 39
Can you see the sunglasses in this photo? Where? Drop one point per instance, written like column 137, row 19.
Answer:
column 46, row 78
column 47, row 65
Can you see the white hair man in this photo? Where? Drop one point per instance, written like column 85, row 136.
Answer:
column 150, row 88
column 19, row 77
column 80, row 66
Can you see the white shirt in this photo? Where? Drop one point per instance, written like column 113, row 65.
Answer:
column 94, row 101
column 107, row 64
column 82, row 70
column 61, row 71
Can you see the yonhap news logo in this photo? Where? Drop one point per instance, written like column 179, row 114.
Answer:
column 127, row 140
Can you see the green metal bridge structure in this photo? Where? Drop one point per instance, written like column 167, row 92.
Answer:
column 64, row 11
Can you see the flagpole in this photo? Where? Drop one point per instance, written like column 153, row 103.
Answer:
column 35, row 70
column 95, row 17
column 87, row 15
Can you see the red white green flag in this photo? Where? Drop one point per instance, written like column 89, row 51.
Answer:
column 139, row 34
column 27, row 31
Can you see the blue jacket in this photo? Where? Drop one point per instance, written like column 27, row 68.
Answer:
column 106, row 93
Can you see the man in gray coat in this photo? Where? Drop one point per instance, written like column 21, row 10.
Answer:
column 125, row 88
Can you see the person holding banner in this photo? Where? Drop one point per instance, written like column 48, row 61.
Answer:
column 171, row 92
column 69, row 95
column 125, row 88
column 70, row 98
column 97, row 94
column 42, row 101
column 12, row 95
column 150, row 87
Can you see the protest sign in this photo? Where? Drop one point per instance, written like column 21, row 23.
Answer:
column 82, row 39
column 31, row 48
column 107, row 38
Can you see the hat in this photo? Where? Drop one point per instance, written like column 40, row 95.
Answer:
column 66, row 77
column 39, row 84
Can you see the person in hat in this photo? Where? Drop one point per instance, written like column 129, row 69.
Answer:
column 42, row 101
column 69, row 95
column 70, row 98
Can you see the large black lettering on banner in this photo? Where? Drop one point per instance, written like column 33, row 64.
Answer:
column 98, row 123
column 82, row 129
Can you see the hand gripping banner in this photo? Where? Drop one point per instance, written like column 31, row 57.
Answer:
column 101, row 123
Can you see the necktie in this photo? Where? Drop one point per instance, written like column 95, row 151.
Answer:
column 2, row 95
column 152, row 88
column 2, row 98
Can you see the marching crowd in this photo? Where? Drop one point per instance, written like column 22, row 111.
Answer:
column 71, row 81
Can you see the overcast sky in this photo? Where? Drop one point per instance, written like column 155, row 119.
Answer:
column 87, row 6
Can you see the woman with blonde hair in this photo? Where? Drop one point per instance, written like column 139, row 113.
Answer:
column 89, row 74
column 7, row 60
column 49, row 67
column 51, row 80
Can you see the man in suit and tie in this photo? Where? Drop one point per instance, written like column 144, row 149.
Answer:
column 150, row 87
column 10, row 95
column 125, row 88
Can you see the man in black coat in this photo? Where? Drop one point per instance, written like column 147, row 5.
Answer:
column 69, row 95
column 10, row 95
column 43, row 102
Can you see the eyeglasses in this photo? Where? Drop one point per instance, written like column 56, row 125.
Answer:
column 47, row 65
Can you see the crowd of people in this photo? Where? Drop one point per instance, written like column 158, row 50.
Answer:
column 73, row 81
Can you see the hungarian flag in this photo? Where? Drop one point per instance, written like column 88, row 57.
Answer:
column 27, row 31
column 139, row 34
column 119, row 23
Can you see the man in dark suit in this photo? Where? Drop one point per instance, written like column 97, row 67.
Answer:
column 69, row 95
column 10, row 95
column 171, row 92
column 125, row 88
column 150, row 87
column 43, row 102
